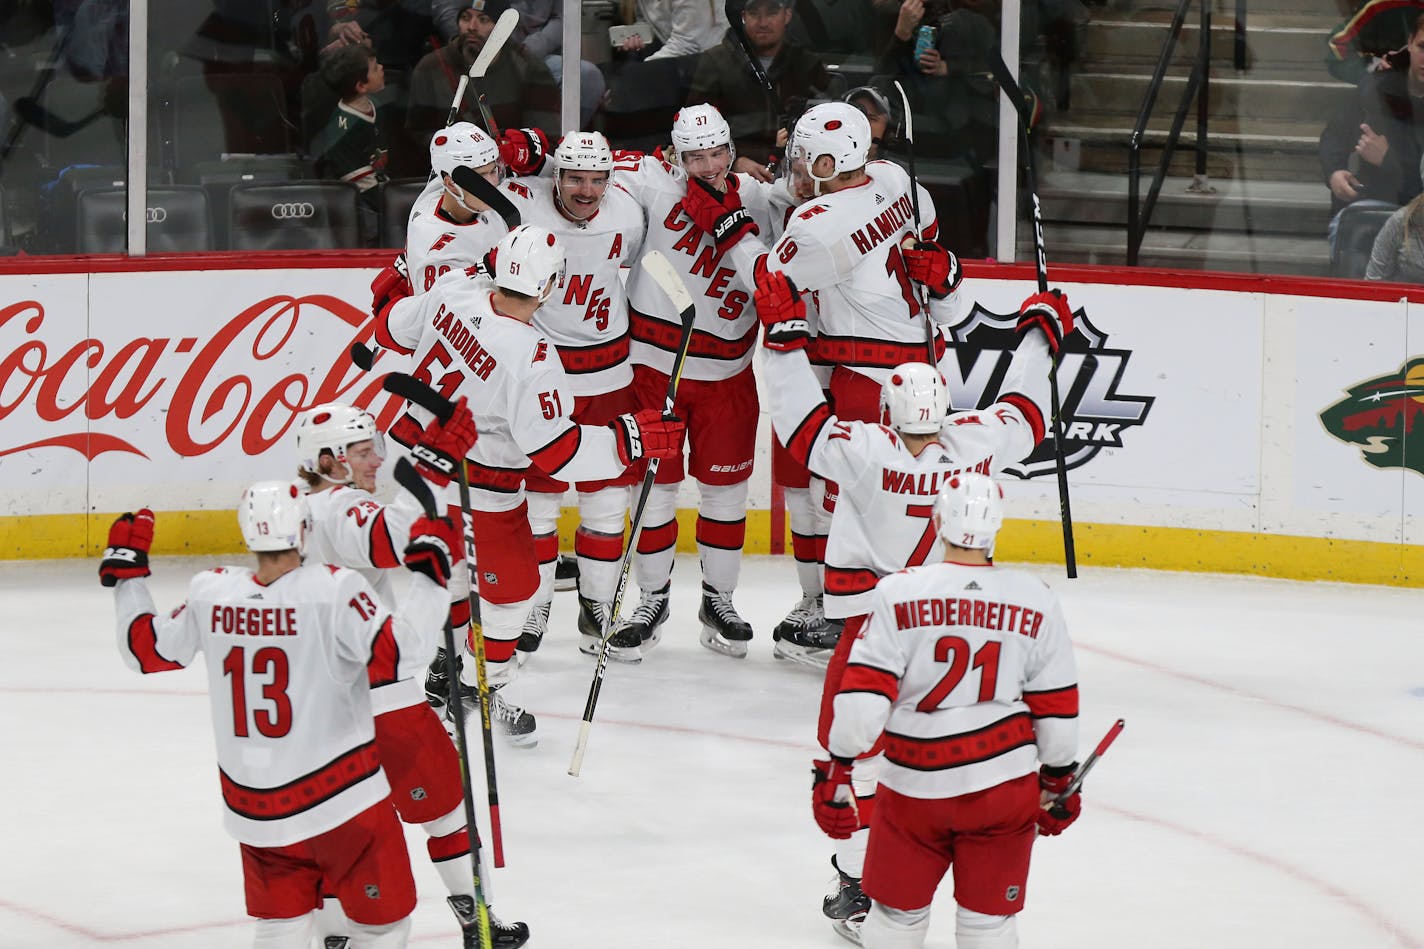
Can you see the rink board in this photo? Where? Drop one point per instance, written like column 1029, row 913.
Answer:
column 1246, row 424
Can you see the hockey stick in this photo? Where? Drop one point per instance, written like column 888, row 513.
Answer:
column 733, row 11
column 915, row 206
column 410, row 479
column 1089, row 761
column 413, row 390
column 667, row 278
column 1010, row 88
column 503, row 29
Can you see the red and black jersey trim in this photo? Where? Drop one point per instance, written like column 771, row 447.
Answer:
column 956, row 751
column 851, row 351
column 143, row 645
column 798, row 445
column 848, row 581
column 406, row 431
column 583, row 359
column 557, row 453
column 336, row 776
column 1053, row 703
column 500, row 480
column 862, row 678
column 382, row 550
column 704, row 345
column 382, row 667
column 1030, row 410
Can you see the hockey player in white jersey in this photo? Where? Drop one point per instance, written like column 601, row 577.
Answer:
column 888, row 475
column 339, row 450
column 473, row 336
column 696, row 210
column 293, row 652
column 601, row 227
column 966, row 672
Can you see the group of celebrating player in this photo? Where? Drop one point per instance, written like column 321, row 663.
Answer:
column 557, row 350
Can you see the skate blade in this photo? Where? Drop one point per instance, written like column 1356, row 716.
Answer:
column 848, row 929
column 734, row 649
column 817, row 659
column 589, row 645
column 520, row 741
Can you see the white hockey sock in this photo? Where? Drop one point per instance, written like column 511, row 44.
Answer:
column 850, row 853
column 330, row 920
column 285, row 933
column 599, row 541
column 391, row 936
column 657, row 546
column 721, row 531
column 977, row 931
column 890, row 928
column 799, row 505
column 544, row 511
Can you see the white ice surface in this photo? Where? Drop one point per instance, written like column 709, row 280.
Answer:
column 1264, row 793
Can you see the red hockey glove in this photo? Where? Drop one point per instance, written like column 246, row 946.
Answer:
column 523, row 150
column 832, row 801
column 1049, row 311
column 718, row 214
column 434, row 548
column 390, row 287
column 444, row 444
column 781, row 310
column 1057, row 815
column 648, row 434
column 932, row 265
column 126, row 556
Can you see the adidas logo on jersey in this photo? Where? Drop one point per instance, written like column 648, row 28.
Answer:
column 254, row 596
column 971, row 585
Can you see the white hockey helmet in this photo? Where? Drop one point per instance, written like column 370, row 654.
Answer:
column 969, row 510
column 914, row 399
column 695, row 127
column 463, row 143
column 837, row 129
column 583, row 151
column 334, row 427
column 529, row 260
column 274, row 515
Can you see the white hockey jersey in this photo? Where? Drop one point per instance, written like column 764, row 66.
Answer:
column 845, row 249
column 353, row 529
column 586, row 317
column 969, row 672
column 435, row 244
column 517, row 389
column 725, row 328
column 289, row 668
column 882, row 518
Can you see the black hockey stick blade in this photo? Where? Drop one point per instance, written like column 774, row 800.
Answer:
column 1010, row 86
column 733, row 10
column 473, row 182
column 413, row 390
column 363, row 356
column 407, row 477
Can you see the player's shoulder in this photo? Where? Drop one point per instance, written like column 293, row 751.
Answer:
column 526, row 187
column 214, row 579
column 885, row 171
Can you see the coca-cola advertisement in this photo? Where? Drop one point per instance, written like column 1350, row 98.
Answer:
column 172, row 390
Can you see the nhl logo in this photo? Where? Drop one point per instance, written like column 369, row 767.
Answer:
column 373, row 892
column 491, row 577
column 1012, row 894
column 417, row 794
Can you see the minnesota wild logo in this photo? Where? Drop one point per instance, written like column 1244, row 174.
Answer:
column 1379, row 416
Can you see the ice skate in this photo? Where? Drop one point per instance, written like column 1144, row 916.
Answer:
column 437, row 686
column 566, row 574
column 516, row 725
column 806, row 637
column 502, row 935
column 723, row 629
column 535, row 626
column 622, row 646
column 846, row 905
column 644, row 627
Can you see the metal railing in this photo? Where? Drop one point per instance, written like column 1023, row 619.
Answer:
column 1139, row 212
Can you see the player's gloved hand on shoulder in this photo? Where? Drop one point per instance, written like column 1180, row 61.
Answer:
column 1049, row 311
column 126, row 556
column 390, row 286
column 1057, row 815
column 718, row 213
column 444, row 445
column 523, row 151
column 648, row 434
column 434, row 548
column 781, row 310
column 832, row 800
column 932, row 265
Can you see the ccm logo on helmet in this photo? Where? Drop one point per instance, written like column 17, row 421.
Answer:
column 298, row 210
column 155, row 215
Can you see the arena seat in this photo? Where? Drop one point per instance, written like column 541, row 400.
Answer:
column 1355, row 238
column 219, row 176
column 177, row 218
column 294, row 215
column 397, row 197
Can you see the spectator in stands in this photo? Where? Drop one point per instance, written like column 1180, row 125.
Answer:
column 881, row 115
column 1374, row 37
column 680, row 27
column 518, row 87
column 1398, row 251
column 400, row 30
column 1370, row 151
column 352, row 146
column 725, row 79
